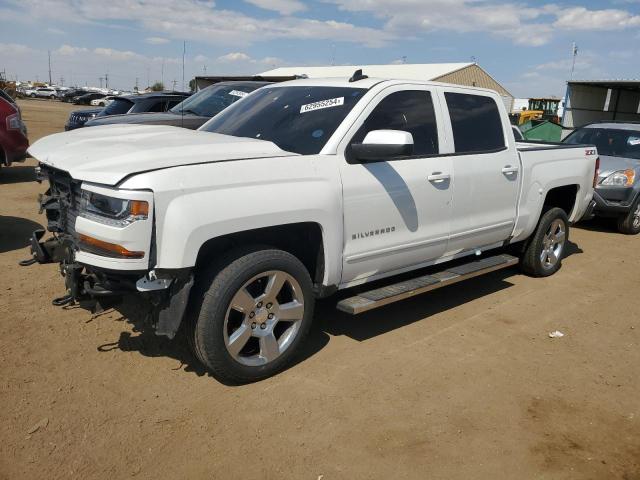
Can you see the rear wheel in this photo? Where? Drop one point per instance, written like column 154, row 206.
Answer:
column 630, row 223
column 545, row 251
column 33, row 95
column 251, row 314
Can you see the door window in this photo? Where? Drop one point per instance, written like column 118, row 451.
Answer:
column 409, row 110
column 476, row 123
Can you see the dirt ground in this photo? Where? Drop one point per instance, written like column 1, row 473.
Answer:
column 460, row 383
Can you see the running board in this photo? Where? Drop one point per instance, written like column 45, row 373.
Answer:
column 399, row 291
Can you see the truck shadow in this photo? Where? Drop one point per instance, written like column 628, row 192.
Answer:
column 599, row 224
column 420, row 308
column 144, row 341
column 17, row 174
column 15, row 233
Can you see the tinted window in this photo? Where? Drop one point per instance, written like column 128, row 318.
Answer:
column 212, row 100
column 476, row 123
column 297, row 119
column 610, row 142
column 158, row 106
column 117, row 107
column 410, row 111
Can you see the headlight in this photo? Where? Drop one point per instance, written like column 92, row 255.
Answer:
column 117, row 212
column 622, row 178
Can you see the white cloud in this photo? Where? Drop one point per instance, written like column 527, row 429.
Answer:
column 201, row 21
column 235, row 57
column 156, row 40
column 200, row 59
column 579, row 18
column 524, row 25
column 285, row 7
column 56, row 31
column 15, row 49
column 69, row 50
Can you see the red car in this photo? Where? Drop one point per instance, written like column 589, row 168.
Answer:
column 13, row 132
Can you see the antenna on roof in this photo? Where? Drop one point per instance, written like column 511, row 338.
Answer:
column 357, row 75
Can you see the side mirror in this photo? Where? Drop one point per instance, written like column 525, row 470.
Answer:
column 381, row 145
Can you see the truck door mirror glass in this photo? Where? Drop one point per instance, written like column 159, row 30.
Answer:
column 381, row 145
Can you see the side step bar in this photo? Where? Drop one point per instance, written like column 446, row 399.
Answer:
column 399, row 291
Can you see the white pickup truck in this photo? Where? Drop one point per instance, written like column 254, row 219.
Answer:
column 296, row 191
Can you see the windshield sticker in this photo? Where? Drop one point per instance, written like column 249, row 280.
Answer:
column 238, row 93
column 633, row 141
column 332, row 102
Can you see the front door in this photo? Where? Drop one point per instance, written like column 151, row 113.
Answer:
column 396, row 212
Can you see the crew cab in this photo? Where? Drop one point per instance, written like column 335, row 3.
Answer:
column 296, row 191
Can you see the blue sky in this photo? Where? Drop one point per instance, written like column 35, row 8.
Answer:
column 525, row 45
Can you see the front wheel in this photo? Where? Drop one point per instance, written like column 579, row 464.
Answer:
column 545, row 251
column 251, row 314
column 630, row 223
column 33, row 95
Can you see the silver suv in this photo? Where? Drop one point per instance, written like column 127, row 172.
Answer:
column 617, row 192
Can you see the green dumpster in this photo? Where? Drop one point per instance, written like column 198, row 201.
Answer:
column 543, row 130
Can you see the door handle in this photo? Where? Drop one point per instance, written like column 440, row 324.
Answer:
column 438, row 177
column 508, row 170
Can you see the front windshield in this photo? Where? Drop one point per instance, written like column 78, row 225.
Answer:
column 297, row 119
column 610, row 142
column 117, row 107
column 212, row 100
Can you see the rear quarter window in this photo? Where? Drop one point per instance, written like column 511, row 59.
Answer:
column 476, row 123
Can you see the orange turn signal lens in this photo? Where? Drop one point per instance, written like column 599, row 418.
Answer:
column 99, row 247
column 631, row 176
column 139, row 208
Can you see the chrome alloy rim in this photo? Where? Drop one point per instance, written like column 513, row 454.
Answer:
column 636, row 217
column 263, row 318
column 553, row 244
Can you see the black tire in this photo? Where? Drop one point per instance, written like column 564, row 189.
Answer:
column 630, row 223
column 52, row 97
column 214, row 290
column 33, row 95
column 531, row 261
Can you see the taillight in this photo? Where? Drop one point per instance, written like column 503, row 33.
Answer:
column 596, row 174
column 14, row 122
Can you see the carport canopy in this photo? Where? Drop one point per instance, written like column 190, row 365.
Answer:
column 588, row 101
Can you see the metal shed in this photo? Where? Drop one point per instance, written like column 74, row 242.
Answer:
column 588, row 101
column 468, row 74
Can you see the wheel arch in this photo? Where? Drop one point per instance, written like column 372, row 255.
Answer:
column 564, row 197
column 304, row 240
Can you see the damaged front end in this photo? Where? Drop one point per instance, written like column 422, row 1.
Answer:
column 162, row 294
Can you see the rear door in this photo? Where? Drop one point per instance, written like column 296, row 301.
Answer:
column 486, row 168
column 396, row 212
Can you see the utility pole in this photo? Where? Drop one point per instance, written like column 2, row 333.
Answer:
column 106, row 81
column 162, row 73
column 175, row 83
column 574, row 52
column 50, row 81
column 136, row 88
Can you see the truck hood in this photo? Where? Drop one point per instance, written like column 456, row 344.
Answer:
column 110, row 153
column 165, row 118
column 608, row 165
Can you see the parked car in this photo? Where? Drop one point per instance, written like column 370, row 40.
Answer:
column 13, row 132
column 43, row 92
column 617, row 192
column 78, row 118
column 191, row 113
column 102, row 102
column 125, row 106
column 302, row 189
column 69, row 95
column 85, row 98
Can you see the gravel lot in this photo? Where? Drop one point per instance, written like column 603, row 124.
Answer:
column 460, row 383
